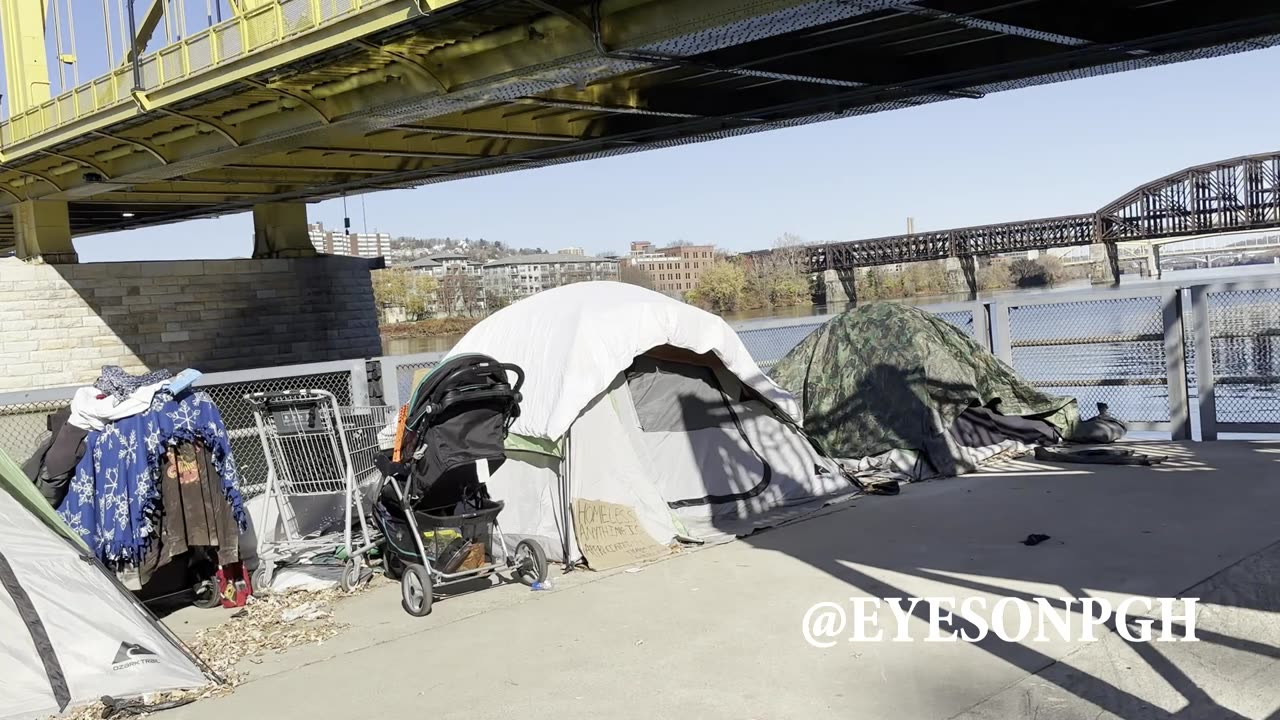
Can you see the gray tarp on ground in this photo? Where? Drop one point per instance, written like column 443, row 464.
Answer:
column 884, row 377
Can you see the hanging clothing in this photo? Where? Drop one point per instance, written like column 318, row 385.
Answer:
column 55, row 461
column 92, row 408
column 194, row 513
column 114, row 381
column 114, row 500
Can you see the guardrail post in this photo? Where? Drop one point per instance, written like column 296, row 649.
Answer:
column 390, row 381
column 1203, row 337
column 359, row 383
column 1001, row 342
column 1175, row 361
column 982, row 325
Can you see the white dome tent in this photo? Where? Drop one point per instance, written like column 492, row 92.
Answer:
column 634, row 398
column 69, row 632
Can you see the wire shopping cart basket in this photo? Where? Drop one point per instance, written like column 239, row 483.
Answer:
column 316, row 448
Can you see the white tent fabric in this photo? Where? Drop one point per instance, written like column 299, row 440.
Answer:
column 719, row 461
column 574, row 344
column 99, row 638
column 573, row 341
column 531, row 485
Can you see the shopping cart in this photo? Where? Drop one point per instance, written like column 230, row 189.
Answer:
column 315, row 448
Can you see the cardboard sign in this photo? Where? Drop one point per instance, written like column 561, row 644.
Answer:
column 610, row 535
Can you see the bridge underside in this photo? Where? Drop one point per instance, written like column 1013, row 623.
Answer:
column 393, row 98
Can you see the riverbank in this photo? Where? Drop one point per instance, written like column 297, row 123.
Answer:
column 436, row 327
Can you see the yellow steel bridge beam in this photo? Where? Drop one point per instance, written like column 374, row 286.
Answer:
column 26, row 68
column 146, row 28
column 326, row 37
column 478, row 73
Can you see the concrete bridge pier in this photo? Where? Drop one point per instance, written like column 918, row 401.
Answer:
column 840, row 286
column 1106, row 263
column 1153, row 261
column 280, row 231
column 969, row 267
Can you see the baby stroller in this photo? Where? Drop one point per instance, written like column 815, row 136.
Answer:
column 436, row 517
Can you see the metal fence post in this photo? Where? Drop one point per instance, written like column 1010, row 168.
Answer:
column 1001, row 342
column 359, row 383
column 1175, row 361
column 982, row 324
column 390, row 381
column 1203, row 338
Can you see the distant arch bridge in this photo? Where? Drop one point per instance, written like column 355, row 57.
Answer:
column 1230, row 196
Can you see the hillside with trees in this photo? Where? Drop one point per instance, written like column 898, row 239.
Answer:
column 406, row 248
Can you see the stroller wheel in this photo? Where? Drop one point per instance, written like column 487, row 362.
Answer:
column 350, row 579
column 530, row 562
column 415, row 590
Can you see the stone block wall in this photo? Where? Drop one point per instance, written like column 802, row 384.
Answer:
column 59, row 324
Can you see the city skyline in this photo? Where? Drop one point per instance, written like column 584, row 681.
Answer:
column 1043, row 151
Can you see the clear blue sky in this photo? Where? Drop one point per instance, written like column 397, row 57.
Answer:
column 1049, row 150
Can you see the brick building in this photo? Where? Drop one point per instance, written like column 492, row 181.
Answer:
column 672, row 270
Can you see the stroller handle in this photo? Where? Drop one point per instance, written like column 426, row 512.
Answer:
column 519, row 375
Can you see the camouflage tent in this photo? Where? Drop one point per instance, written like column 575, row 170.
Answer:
column 886, row 377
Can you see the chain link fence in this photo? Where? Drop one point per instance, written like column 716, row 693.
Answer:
column 237, row 415
column 1245, row 340
column 404, row 376
column 768, row 345
column 25, row 426
column 1109, row 350
column 770, row 341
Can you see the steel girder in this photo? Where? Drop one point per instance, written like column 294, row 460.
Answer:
column 1228, row 196
column 1063, row 231
column 1233, row 195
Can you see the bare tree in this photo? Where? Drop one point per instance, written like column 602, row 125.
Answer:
column 779, row 277
column 461, row 294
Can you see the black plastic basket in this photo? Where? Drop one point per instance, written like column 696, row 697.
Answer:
column 473, row 526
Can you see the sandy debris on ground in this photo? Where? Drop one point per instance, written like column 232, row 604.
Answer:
column 269, row 623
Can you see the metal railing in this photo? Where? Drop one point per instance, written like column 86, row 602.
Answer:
column 1236, row 356
column 770, row 340
column 1124, row 348
column 227, row 41
column 1142, row 351
column 23, row 415
column 1163, row 357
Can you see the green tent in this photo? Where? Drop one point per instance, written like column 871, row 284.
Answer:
column 17, row 484
column 887, row 377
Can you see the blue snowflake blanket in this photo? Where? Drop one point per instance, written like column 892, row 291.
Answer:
column 114, row 500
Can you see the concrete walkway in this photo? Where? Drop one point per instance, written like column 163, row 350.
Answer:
column 717, row 633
